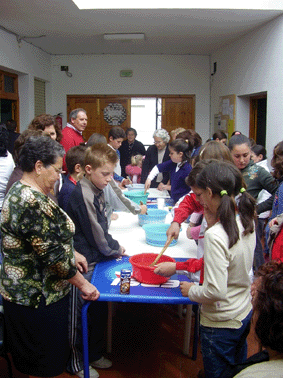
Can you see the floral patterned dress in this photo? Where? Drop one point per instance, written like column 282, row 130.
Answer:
column 37, row 248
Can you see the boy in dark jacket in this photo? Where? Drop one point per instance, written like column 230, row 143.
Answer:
column 87, row 209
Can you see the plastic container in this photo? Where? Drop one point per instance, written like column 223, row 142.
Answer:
column 137, row 196
column 152, row 216
column 144, row 273
column 135, row 187
column 155, row 234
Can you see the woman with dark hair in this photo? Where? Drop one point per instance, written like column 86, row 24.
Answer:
column 39, row 264
column 188, row 134
column 229, row 243
column 130, row 147
column 256, row 179
column 268, row 317
column 19, row 143
column 48, row 124
column 220, row 136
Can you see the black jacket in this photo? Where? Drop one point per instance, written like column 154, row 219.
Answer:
column 151, row 160
column 126, row 153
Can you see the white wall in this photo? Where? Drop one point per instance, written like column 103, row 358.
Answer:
column 28, row 62
column 152, row 75
column 248, row 66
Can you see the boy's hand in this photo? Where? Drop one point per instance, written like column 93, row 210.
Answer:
column 123, row 250
column 143, row 209
column 125, row 182
column 81, row 262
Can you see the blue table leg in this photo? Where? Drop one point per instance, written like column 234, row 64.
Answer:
column 85, row 339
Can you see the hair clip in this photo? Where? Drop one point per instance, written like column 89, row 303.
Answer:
column 242, row 190
column 223, row 192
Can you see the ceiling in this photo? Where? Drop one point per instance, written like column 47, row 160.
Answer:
column 67, row 30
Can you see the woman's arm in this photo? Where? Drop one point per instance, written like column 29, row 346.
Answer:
column 89, row 291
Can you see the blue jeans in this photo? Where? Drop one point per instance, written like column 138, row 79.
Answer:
column 223, row 346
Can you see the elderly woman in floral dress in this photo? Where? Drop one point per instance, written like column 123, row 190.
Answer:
column 39, row 264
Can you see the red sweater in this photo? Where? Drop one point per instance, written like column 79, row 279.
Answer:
column 183, row 209
column 277, row 248
column 71, row 138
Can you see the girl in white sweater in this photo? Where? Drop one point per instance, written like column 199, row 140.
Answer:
column 229, row 243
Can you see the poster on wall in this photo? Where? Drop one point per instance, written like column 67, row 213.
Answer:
column 226, row 116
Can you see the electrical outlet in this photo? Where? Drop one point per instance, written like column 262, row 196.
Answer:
column 64, row 68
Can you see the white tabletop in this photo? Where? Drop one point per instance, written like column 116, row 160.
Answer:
column 131, row 236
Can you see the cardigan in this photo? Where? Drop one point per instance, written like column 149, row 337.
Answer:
column 177, row 178
column 225, row 293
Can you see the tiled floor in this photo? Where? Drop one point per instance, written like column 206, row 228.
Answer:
column 147, row 343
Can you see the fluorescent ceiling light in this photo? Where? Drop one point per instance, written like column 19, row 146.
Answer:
column 182, row 4
column 123, row 36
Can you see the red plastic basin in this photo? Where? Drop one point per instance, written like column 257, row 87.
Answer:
column 144, row 273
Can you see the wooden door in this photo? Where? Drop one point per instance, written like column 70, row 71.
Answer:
column 178, row 111
column 103, row 112
column 89, row 104
column 114, row 111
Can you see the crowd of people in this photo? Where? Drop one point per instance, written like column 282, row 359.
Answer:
column 58, row 195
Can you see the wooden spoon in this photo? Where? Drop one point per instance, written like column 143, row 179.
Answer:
column 163, row 250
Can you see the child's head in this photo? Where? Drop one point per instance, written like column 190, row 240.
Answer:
column 216, row 184
column 116, row 136
column 220, row 136
column 187, row 134
column 258, row 153
column 214, row 150
column 136, row 160
column 75, row 157
column 96, row 138
column 100, row 161
column 277, row 160
column 240, row 147
column 175, row 132
column 180, row 149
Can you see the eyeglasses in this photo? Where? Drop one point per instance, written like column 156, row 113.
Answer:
column 58, row 170
column 160, row 142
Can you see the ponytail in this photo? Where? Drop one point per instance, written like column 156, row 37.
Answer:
column 225, row 180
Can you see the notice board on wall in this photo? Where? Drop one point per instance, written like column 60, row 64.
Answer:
column 226, row 116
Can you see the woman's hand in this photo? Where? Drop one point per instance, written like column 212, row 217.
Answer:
column 185, row 287
column 89, row 291
column 81, row 262
column 147, row 184
column 166, row 269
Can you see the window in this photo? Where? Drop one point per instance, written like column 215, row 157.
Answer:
column 39, row 97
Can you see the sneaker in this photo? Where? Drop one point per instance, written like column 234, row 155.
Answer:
column 92, row 373
column 102, row 363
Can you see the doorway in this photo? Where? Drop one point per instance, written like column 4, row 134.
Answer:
column 258, row 118
column 104, row 112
